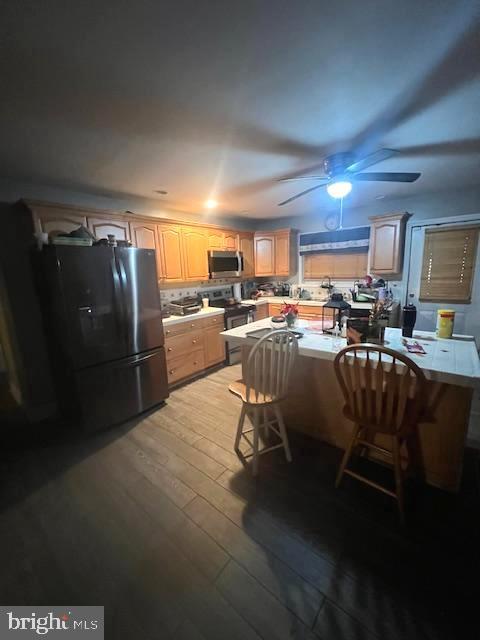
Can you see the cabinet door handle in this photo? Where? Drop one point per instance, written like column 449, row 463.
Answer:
column 195, row 362
column 194, row 342
column 169, row 349
column 171, row 372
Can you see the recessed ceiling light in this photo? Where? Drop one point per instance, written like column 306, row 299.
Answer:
column 379, row 197
column 162, row 192
column 211, row 204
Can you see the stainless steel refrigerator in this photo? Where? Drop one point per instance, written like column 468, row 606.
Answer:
column 103, row 320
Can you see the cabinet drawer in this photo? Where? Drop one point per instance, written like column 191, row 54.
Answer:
column 183, row 344
column 214, row 321
column 182, row 327
column 185, row 366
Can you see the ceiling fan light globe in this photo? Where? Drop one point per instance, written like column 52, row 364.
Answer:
column 339, row 188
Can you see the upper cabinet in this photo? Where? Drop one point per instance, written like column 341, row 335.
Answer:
column 195, row 243
column 171, row 267
column 103, row 227
column 264, row 254
column 222, row 240
column 245, row 245
column 56, row 219
column 230, row 241
column 144, row 236
column 275, row 253
column 387, row 240
column 215, row 239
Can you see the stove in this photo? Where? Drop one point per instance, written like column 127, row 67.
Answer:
column 236, row 314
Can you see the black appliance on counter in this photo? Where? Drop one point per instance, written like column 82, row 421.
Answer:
column 185, row 306
column 102, row 316
column 282, row 289
column 236, row 314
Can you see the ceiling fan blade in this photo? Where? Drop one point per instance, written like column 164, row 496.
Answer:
column 373, row 158
column 303, row 178
column 387, row 177
column 299, row 195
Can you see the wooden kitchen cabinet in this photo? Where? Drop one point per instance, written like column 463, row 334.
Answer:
column 214, row 346
column 215, row 240
column 261, row 311
column 195, row 260
column 59, row 223
column 275, row 253
column 282, row 253
column 103, row 227
column 230, row 241
column 245, row 245
column 387, row 240
column 264, row 245
column 144, row 236
column 171, row 268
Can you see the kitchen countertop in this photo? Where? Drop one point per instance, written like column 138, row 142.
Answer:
column 209, row 311
column 312, row 303
column 453, row 361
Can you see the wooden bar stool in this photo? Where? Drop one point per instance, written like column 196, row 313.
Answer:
column 383, row 391
column 265, row 384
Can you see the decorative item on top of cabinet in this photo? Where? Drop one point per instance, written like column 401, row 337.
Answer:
column 103, row 227
column 245, row 245
column 171, row 253
column 387, row 240
column 195, row 253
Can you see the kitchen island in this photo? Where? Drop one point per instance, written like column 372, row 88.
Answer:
column 315, row 403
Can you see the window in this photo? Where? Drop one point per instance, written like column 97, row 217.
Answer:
column 448, row 264
column 349, row 264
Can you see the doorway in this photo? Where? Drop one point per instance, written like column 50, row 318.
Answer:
column 467, row 313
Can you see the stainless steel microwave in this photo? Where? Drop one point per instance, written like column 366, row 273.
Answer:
column 225, row 264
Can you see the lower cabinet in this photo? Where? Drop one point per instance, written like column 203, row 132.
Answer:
column 305, row 311
column 192, row 346
column 261, row 311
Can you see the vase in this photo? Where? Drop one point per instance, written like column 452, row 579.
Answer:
column 291, row 319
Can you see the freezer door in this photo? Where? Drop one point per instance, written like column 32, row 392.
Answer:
column 140, row 298
column 91, row 311
column 117, row 391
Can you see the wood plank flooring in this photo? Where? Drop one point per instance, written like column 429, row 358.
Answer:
column 160, row 522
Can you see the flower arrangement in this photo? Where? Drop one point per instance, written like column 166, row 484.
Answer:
column 290, row 312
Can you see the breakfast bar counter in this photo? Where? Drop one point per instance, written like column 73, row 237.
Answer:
column 315, row 402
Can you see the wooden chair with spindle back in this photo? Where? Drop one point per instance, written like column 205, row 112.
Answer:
column 266, row 380
column 383, row 392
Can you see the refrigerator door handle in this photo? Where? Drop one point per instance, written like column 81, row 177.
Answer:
column 142, row 360
column 118, row 293
column 124, row 288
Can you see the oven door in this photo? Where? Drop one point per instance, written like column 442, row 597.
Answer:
column 234, row 354
column 225, row 264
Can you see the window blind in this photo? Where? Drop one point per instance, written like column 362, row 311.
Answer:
column 448, row 264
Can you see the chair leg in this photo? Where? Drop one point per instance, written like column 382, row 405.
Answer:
column 241, row 420
column 256, row 429
column 265, row 422
column 283, row 432
column 346, row 455
column 397, row 463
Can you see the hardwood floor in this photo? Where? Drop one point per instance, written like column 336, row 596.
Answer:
column 158, row 521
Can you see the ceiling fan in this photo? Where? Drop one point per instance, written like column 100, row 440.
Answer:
column 342, row 169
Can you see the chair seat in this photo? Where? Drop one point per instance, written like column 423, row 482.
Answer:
column 239, row 388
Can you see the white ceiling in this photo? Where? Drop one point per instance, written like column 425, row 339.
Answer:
column 221, row 98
